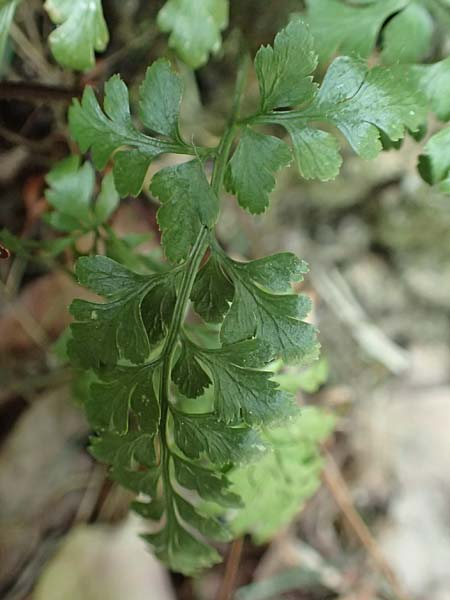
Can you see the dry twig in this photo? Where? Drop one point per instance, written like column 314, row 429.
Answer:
column 341, row 494
column 231, row 570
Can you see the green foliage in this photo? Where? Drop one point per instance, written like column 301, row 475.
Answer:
column 126, row 326
column 251, row 172
column 134, row 341
column 70, row 194
column 333, row 25
column 105, row 132
column 201, row 436
column 7, row 10
column 274, row 488
column 243, row 393
column 122, row 395
column 34, row 249
column 81, row 31
column 435, row 81
column 284, row 71
column 212, row 291
column 124, row 450
column 196, row 419
column 407, row 27
column 76, row 207
column 407, row 37
column 293, row 379
column 194, row 27
column 316, row 152
column 160, row 94
column 258, row 308
column 188, row 204
column 434, row 163
column 364, row 104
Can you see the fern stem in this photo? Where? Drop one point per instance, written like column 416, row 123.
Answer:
column 168, row 351
column 191, row 268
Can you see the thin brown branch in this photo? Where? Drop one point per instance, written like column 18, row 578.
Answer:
column 37, row 92
column 229, row 581
column 91, row 494
column 342, row 496
column 21, row 140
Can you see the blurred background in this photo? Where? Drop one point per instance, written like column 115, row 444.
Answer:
column 378, row 245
